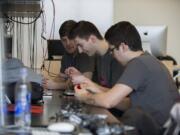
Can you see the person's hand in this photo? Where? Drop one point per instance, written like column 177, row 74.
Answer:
column 44, row 83
column 69, row 85
column 71, row 71
column 80, row 91
column 80, row 79
column 48, row 83
column 64, row 76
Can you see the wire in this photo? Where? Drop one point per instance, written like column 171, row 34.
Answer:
column 44, row 50
column 29, row 37
column 9, row 26
column 50, row 36
column 16, row 25
column 21, row 39
column 51, row 74
column 53, row 22
column 24, row 22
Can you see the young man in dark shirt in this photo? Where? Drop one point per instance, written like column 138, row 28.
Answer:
column 71, row 57
column 145, row 80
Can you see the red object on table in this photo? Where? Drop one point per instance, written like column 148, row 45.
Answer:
column 34, row 108
column 79, row 86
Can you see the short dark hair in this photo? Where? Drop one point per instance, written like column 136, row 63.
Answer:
column 124, row 32
column 66, row 27
column 84, row 29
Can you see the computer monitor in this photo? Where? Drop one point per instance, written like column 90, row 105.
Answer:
column 154, row 39
column 55, row 49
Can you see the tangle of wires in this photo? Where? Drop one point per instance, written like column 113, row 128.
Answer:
column 17, row 26
column 51, row 36
column 22, row 22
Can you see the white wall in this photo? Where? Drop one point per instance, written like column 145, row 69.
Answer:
column 100, row 12
column 153, row 12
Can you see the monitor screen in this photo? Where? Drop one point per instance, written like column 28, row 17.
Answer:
column 55, row 48
column 154, row 39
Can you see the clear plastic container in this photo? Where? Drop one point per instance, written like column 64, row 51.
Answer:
column 23, row 101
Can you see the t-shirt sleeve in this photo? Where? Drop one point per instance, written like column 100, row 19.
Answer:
column 134, row 75
column 86, row 63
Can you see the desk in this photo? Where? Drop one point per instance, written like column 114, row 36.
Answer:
column 52, row 105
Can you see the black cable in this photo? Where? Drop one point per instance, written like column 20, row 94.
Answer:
column 23, row 22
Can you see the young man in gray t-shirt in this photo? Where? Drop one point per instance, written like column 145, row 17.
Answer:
column 153, row 88
column 145, row 80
